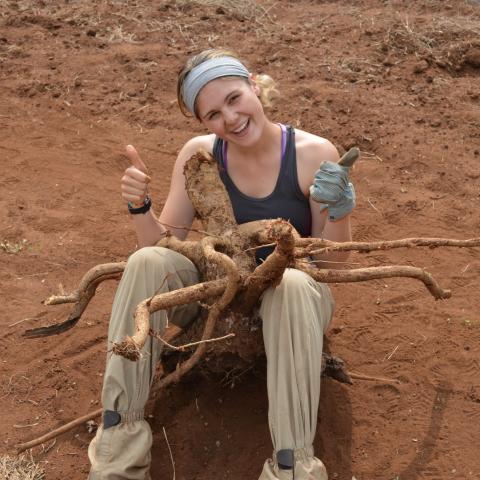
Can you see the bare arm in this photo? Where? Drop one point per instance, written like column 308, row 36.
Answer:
column 177, row 211
column 339, row 231
column 313, row 151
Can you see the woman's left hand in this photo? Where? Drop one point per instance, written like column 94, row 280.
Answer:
column 332, row 189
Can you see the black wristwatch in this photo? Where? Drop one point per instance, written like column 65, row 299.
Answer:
column 147, row 203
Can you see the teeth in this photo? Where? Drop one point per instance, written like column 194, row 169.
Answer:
column 238, row 130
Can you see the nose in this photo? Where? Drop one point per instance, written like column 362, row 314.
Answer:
column 230, row 116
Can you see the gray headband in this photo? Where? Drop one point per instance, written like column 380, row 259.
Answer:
column 207, row 71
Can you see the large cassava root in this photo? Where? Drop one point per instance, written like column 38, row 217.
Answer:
column 212, row 205
column 225, row 259
column 231, row 281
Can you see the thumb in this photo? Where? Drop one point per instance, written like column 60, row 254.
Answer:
column 349, row 158
column 135, row 159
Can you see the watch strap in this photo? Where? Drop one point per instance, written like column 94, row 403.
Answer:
column 147, row 204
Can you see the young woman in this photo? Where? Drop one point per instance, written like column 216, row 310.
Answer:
column 270, row 171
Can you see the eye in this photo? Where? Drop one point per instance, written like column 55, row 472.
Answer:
column 213, row 115
column 233, row 98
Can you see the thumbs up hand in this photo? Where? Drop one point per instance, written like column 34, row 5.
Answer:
column 135, row 179
column 331, row 186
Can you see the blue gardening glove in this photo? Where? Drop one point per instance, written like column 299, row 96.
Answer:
column 343, row 207
column 332, row 190
column 329, row 183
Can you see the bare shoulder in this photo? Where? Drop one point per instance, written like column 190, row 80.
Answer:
column 313, row 150
column 195, row 144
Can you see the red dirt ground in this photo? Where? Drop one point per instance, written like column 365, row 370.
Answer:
column 79, row 80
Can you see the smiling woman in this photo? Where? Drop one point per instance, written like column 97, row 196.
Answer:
column 230, row 107
column 270, row 170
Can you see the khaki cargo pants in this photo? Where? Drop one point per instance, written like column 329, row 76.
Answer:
column 295, row 315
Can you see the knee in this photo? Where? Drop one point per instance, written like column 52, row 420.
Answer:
column 292, row 287
column 294, row 281
column 299, row 300
column 146, row 262
column 146, row 256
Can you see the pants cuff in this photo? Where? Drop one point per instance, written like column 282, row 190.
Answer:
column 132, row 415
column 299, row 454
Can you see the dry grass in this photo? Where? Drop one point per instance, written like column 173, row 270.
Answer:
column 411, row 37
column 450, row 43
column 405, row 37
column 131, row 22
column 118, row 35
column 13, row 248
column 17, row 387
column 20, row 468
column 244, row 9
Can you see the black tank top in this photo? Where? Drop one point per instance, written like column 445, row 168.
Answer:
column 287, row 200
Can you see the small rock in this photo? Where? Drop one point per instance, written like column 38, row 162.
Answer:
column 91, row 426
column 388, row 61
column 420, row 66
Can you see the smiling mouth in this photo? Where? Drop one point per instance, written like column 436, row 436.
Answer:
column 242, row 128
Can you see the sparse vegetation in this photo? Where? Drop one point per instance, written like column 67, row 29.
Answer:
column 244, row 9
column 14, row 247
column 20, row 468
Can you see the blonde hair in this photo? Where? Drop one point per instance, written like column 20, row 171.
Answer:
column 266, row 84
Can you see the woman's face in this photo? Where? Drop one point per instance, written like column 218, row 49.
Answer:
column 230, row 108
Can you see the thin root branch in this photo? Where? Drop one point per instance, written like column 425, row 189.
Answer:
column 182, row 348
column 58, row 431
column 360, row 376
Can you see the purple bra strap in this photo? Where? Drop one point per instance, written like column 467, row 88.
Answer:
column 284, row 140
column 224, row 155
column 283, row 146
